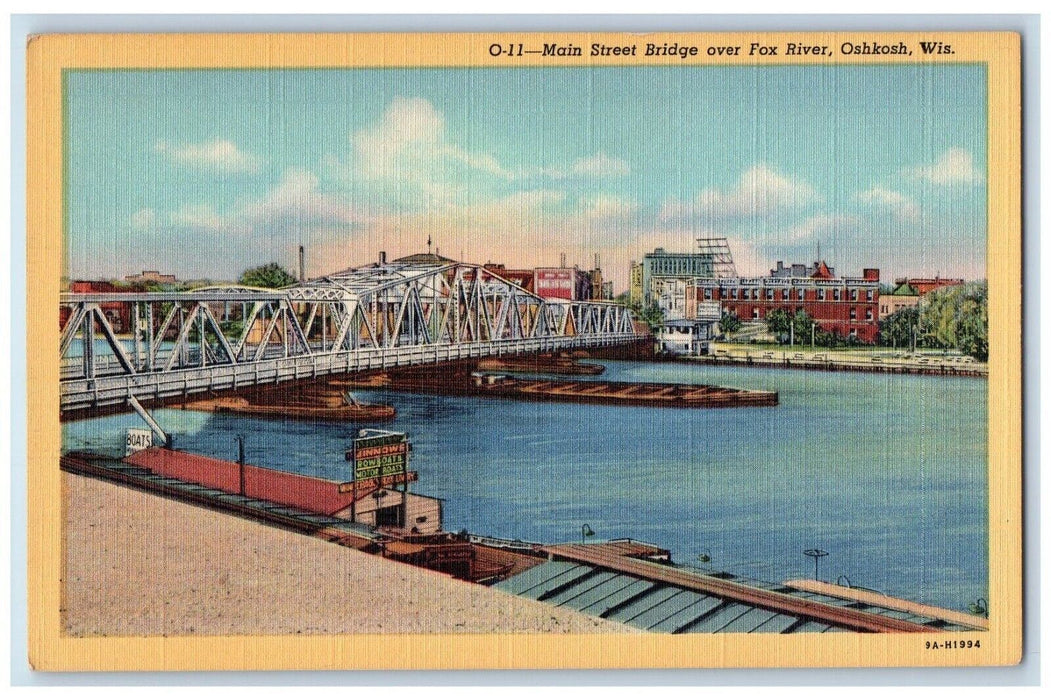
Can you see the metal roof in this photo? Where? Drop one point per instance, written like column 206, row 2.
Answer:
column 659, row 606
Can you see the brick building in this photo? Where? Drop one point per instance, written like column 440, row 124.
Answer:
column 570, row 283
column 924, row 285
column 847, row 306
column 117, row 313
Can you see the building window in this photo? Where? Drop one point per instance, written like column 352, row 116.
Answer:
column 868, row 314
column 835, row 295
column 883, row 309
column 853, row 313
column 708, row 293
column 802, row 294
column 733, row 293
column 821, row 295
column 868, row 295
column 755, row 312
column 769, row 295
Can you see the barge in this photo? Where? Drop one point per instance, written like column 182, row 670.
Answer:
column 324, row 403
column 571, row 391
column 540, row 364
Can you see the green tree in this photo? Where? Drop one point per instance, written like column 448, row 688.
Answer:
column 653, row 315
column 778, row 323
column 957, row 317
column 801, row 323
column 896, row 330
column 728, row 322
column 269, row 276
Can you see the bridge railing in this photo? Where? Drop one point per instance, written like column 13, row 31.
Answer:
column 160, row 345
column 99, row 391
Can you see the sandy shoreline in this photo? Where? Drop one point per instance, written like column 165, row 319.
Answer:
column 137, row 564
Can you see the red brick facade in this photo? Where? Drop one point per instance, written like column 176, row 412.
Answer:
column 845, row 306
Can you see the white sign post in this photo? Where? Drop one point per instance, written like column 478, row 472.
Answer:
column 138, row 439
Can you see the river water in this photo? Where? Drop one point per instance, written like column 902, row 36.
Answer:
column 888, row 473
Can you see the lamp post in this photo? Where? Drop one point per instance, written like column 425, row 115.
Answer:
column 586, row 531
column 813, row 327
column 816, row 554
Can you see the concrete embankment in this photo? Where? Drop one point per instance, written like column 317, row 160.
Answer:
column 138, row 564
column 825, row 363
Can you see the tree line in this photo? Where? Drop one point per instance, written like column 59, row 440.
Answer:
column 950, row 318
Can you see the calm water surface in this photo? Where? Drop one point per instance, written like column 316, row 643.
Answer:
column 885, row 472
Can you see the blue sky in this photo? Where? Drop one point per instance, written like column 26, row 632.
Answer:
column 206, row 173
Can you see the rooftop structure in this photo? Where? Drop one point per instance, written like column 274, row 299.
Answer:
column 925, row 285
column 638, row 585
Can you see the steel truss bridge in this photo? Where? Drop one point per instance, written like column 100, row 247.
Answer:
column 374, row 317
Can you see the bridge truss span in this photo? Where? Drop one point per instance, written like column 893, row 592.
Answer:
column 156, row 346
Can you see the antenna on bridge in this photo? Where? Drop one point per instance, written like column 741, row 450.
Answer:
column 428, row 244
column 563, row 260
column 302, row 265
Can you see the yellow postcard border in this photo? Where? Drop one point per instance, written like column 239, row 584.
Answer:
column 49, row 55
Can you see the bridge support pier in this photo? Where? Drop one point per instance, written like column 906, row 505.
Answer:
column 145, row 415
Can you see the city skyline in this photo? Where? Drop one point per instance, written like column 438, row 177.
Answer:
column 206, row 173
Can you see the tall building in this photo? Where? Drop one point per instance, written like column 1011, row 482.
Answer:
column 635, row 283
column 847, row 306
column 661, row 267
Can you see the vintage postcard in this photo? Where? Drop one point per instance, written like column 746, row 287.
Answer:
column 483, row 351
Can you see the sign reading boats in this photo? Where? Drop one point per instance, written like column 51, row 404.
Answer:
column 379, row 453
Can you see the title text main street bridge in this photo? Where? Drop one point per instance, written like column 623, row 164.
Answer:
column 373, row 317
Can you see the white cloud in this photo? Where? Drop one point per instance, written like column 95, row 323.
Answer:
column 899, row 204
column 220, row 155
column 144, row 219
column 955, row 165
column 604, row 207
column 600, row 165
column 297, row 203
column 295, row 206
column 197, row 216
column 814, row 227
column 409, row 143
column 761, row 191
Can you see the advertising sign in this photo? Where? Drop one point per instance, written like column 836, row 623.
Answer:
column 385, row 482
column 376, row 456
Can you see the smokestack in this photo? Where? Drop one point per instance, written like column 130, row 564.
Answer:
column 563, row 260
column 598, row 262
column 383, row 257
column 302, row 265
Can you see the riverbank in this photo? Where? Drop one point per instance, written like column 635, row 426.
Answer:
column 143, row 565
column 857, row 360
